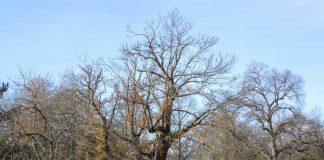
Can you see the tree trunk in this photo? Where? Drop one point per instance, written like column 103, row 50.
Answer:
column 106, row 148
column 274, row 154
column 162, row 149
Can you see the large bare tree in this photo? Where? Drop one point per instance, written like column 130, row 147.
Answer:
column 164, row 64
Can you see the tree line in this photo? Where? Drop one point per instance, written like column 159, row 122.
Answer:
column 168, row 96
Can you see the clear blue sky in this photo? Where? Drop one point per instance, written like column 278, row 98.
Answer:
column 47, row 35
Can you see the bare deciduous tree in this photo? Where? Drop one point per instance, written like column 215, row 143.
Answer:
column 92, row 88
column 165, row 64
column 273, row 100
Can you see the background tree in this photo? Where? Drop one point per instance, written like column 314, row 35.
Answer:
column 273, row 99
column 227, row 137
column 91, row 88
column 37, row 124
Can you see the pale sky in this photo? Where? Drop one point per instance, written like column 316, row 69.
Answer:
column 48, row 34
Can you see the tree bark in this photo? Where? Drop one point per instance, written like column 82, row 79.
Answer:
column 162, row 149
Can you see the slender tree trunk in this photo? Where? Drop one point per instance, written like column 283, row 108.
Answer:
column 106, row 148
column 274, row 154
